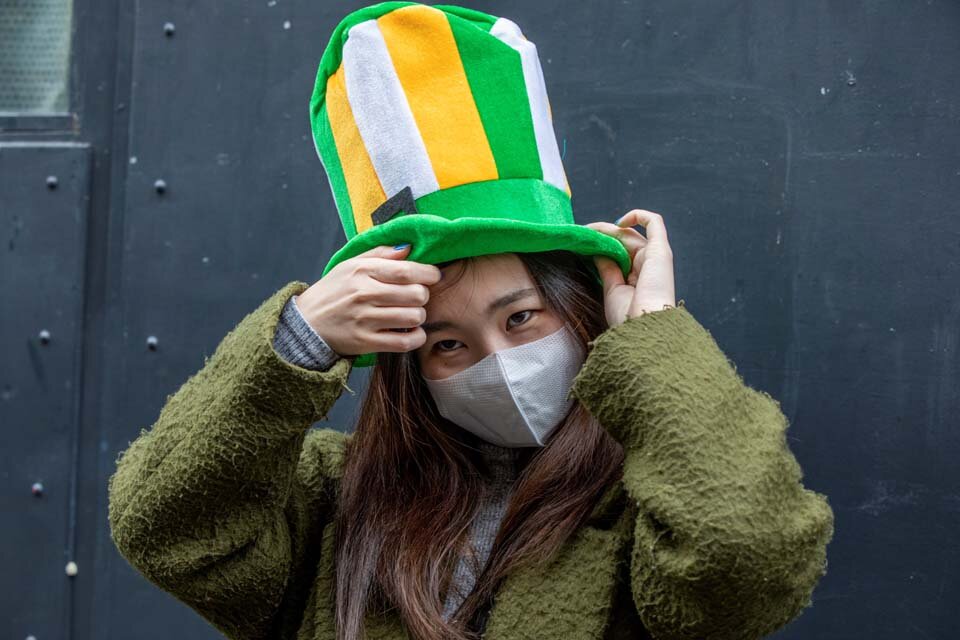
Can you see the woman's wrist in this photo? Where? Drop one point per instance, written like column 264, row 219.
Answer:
column 299, row 343
column 639, row 309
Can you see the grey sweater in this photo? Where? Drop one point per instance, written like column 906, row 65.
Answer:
column 298, row 343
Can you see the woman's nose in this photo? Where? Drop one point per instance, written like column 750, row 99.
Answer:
column 495, row 343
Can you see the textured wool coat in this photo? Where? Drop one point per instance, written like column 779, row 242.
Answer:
column 227, row 501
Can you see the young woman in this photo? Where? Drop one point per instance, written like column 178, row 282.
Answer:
column 659, row 499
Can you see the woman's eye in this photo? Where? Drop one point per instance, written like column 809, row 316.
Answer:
column 439, row 344
column 521, row 314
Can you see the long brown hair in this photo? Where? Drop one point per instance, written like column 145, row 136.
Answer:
column 410, row 484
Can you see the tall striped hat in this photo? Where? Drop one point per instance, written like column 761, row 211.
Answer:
column 434, row 128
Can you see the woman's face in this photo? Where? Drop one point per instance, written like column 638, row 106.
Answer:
column 494, row 307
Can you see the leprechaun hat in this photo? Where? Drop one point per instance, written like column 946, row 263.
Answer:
column 434, row 128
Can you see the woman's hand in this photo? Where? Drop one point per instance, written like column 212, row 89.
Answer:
column 649, row 286
column 371, row 302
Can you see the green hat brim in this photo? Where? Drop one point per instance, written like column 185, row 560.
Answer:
column 436, row 239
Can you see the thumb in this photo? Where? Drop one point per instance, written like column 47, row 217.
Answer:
column 610, row 273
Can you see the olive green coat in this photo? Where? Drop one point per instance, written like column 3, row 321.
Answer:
column 226, row 502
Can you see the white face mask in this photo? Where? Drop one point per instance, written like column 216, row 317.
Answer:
column 514, row 397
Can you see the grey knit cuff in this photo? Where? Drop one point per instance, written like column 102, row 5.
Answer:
column 298, row 343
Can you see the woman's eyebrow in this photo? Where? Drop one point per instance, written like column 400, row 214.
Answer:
column 499, row 303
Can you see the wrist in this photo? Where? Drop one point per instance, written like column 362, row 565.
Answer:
column 639, row 309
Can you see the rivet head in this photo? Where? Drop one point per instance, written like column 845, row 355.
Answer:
column 160, row 185
column 37, row 489
column 152, row 343
column 168, row 28
column 71, row 568
column 52, row 182
column 45, row 336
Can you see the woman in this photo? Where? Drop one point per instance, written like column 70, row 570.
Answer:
column 669, row 475
column 549, row 446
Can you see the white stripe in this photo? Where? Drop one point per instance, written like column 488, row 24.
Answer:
column 383, row 114
column 509, row 32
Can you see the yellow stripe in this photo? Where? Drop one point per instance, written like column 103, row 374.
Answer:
column 363, row 185
column 426, row 60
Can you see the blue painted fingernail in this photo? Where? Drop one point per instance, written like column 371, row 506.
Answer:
column 617, row 221
column 401, row 246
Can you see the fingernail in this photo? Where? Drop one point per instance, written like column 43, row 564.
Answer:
column 617, row 221
column 401, row 246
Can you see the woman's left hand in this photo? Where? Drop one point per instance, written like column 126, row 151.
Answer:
column 649, row 286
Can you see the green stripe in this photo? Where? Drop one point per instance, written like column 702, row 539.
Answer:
column 331, row 161
column 495, row 75
column 479, row 19
column 521, row 199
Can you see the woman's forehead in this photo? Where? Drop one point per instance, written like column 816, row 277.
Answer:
column 486, row 275
column 490, row 285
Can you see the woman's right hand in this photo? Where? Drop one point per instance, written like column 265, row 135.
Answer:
column 359, row 305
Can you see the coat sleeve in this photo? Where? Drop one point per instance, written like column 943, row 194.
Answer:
column 216, row 503
column 728, row 544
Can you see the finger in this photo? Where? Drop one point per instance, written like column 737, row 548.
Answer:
column 397, row 341
column 616, row 231
column 636, row 266
column 401, row 271
column 386, row 251
column 610, row 273
column 652, row 222
column 384, row 318
column 630, row 238
column 386, row 254
column 383, row 294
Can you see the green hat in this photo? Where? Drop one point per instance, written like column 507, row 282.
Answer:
column 434, row 128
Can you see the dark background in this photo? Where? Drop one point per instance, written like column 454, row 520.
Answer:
column 804, row 156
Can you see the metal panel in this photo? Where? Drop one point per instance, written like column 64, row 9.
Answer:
column 44, row 222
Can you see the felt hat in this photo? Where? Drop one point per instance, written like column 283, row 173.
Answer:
column 434, row 128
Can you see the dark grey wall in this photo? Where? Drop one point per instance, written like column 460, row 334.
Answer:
column 804, row 156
